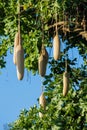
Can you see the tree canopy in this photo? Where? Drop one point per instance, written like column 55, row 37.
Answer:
column 38, row 22
column 34, row 14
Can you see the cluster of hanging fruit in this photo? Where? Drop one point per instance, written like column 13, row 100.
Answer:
column 42, row 63
column 18, row 59
column 56, row 53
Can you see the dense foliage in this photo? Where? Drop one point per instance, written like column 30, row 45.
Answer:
column 34, row 14
column 38, row 18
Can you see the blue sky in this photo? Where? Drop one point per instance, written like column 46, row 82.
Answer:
column 16, row 95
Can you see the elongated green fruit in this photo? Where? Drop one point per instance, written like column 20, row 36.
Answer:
column 56, row 47
column 42, row 62
column 20, row 62
column 65, row 83
column 16, row 42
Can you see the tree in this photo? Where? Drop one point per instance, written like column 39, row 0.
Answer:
column 38, row 22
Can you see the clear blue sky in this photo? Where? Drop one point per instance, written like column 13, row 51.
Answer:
column 16, row 95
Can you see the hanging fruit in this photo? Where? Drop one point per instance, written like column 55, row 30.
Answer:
column 56, row 40
column 56, row 47
column 42, row 61
column 44, row 52
column 16, row 42
column 65, row 83
column 19, row 52
column 20, row 62
column 42, row 102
